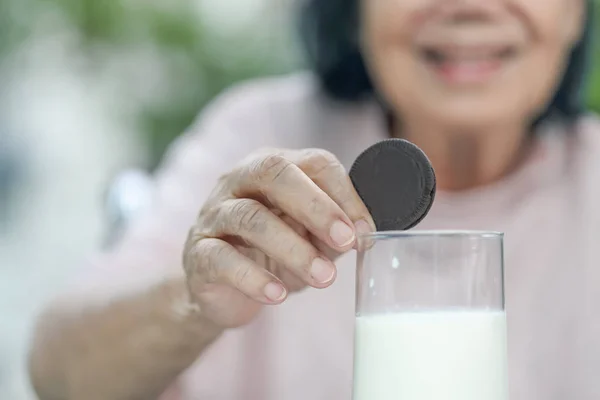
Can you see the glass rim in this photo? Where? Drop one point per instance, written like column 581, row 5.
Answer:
column 431, row 233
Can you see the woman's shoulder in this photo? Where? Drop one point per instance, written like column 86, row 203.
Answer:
column 245, row 117
column 283, row 110
column 588, row 135
column 589, row 127
column 580, row 139
column 283, row 89
column 278, row 90
column 584, row 152
column 264, row 100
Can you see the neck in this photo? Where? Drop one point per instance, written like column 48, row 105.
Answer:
column 465, row 160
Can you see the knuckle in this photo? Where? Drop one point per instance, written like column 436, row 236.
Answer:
column 247, row 216
column 316, row 161
column 242, row 275
column 345, row 196
column 270, row 168
column 208, row 219
column 211, row 253
column 316, row 206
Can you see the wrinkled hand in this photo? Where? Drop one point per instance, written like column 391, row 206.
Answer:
column 272, row 226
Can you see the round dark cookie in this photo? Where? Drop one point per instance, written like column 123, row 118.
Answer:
column 396, row 182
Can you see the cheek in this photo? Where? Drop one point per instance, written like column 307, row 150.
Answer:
column 386, row 38
column 386, row 44
column 382, row 21
column 553, row 21
column 556, row 29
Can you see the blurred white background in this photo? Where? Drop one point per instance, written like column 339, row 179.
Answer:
column 74, row 112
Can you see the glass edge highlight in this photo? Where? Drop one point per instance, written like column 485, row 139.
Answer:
column 433, row 233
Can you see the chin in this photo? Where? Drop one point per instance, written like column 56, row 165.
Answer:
column 472, row 116
column 474, row 120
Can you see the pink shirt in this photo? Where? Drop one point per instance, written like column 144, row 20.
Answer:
column 303, row 349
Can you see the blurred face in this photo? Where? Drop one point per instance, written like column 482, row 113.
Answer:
column 469, row 64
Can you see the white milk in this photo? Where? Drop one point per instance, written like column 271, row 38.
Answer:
column 454, row 355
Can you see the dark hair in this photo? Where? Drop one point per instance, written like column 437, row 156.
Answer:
column 329, row 34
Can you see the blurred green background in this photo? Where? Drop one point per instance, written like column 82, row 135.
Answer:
column 197, row 60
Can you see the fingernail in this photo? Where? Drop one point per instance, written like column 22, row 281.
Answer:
column 322, row 271
column 341, row 234
column 363, row 227
column 274, row 291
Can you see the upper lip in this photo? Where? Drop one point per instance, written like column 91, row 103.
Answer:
column 464, row 51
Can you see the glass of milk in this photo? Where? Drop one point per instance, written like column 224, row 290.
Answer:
column 430, row 321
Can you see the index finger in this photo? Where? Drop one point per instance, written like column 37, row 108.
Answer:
column 279, row 182
column 330, row 175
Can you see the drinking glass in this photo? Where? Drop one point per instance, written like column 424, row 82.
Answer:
column 430, row 320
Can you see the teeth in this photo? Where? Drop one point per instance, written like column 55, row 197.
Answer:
column 440, row 56
column 435, row 56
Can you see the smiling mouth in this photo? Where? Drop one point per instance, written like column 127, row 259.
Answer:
column 467, row 64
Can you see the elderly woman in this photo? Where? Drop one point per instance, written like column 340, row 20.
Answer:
column 260, row 305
